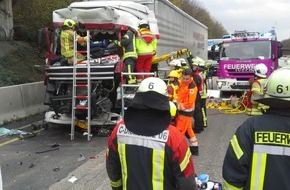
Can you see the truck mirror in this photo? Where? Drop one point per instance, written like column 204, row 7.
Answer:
column 280, row 52
column 39, row 40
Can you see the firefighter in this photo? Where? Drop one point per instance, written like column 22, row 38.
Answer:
column 130, row 55
column 258, row 84
column 198, row 79
column 146, row 44
column 144, row 150
column 186, row 97
column 258, row 153
column 172, row 86
column 175, row 64
column 205, row 66
column 67, row 41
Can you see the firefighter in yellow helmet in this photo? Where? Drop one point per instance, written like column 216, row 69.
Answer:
column 173, row 84
column 258, row 156
column 144, row 150
column 67, row 41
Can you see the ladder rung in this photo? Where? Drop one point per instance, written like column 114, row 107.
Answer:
column 81, row 107
column 81, row 96
column 82, row 62
column 81, row 85
column 81, row 74
column 130, row 85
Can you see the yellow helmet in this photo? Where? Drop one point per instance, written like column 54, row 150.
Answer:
column 69, row 23
column 173, row 73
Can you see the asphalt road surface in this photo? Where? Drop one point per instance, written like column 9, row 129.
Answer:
column 50, row 160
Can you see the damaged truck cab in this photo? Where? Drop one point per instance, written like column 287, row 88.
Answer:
column 105, row 21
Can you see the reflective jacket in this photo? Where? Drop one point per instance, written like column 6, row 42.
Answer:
column 146, row 42
column 198, row 79
column 172, row 89
column 186, row 97
column 67, row 43
column 159, row 162
column 258, row 157
column 258, row 87
column 128, row 45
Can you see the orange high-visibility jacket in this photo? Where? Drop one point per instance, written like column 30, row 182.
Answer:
column 186, row 96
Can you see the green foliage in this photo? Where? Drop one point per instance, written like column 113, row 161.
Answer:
column 30, row 15
column 17, row 67
column 197, row 11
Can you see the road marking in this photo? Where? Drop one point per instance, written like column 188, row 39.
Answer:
column 36, row 132
column 9, row 141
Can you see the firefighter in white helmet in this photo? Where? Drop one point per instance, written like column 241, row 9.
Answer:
column 175, row 64
column 198, row 79
column 145, row 142
column 258, row 84
column 258, row 154
column 146, row 45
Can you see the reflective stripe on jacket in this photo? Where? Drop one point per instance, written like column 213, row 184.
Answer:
column 198, row 79
column 172, row 89
column 128, row 45
column 146, row 42
column 67, row 43
column 160, row 162
column 258, row 157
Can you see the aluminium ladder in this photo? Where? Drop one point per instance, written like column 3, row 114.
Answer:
column 123, row 93
column 81, row 80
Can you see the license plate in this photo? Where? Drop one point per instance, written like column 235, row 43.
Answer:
column 242, row 83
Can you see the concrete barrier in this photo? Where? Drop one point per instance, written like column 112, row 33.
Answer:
column 21, row 101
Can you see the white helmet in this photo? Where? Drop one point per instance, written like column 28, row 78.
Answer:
column 143, row 22
column 175, row 62
column 153, row 84
column 261, row 70
column 198, row 61
column 182, row 61
column 277, row 89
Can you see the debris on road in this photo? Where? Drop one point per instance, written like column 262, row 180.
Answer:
column 32, row 165
column 72, row 179
column 81, row 158
column 5, row 132
column 48, row 150
column 56, row 169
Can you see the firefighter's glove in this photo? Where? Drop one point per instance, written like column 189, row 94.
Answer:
column 116, row 42
column 173, row 109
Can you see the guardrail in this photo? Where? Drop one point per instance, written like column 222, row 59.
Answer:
column 20, row 101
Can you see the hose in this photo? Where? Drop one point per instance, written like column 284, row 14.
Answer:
column 239, row 108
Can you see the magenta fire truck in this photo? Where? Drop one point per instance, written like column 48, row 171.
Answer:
column 240, row 53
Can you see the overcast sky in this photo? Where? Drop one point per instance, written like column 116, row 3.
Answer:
column 251, row 15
